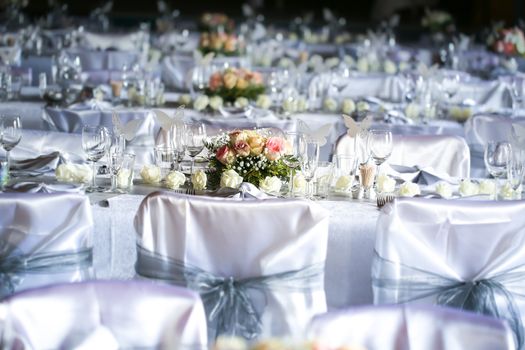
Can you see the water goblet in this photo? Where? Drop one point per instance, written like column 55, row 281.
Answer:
column 516, row 89
column 309, row 154
column 497, row 157
column 164, row 159
column 115, row 165
column 515, row 169
column 194, row 137
column 291, row 158
column 450, row 84
column 380, row 146
column 10, row 135
column 95, row 142
column 178, row 144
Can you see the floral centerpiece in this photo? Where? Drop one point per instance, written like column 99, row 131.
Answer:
column 254, row 156
column 508, row 41
column 438, row 21
column 221, row 44
column 234, row 83
column 216, row 22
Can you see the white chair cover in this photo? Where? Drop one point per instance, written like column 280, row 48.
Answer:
column 465, row 254
column 103, row 315
column 243, row 239
column 445, row 154
column 406, row 327
column 125, row 42
column 37, row 231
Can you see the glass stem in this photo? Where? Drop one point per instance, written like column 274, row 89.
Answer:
column 8, row 172
column 291, row 182
column 113, row 182
column 94, row 177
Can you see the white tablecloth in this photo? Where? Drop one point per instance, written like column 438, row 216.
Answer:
column 350, row 246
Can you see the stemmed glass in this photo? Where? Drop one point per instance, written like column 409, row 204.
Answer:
column 309, row 152
column 516, row 89
column 95, row 142
column 497, row 157
column 380, row 146
column 10, row 135
column 115, row 164
column 516, row 169
column 292, row 155
column 178, row 132
column 194, row 137
column 450, row 84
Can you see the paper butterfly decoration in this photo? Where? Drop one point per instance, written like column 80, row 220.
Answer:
column 354, row 127
column 129, row 130
column 318, row 135
column 165, row 121
column 201, row 60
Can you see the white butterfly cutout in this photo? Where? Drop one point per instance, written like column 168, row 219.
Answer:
column 201, row 60
column 354, row 127
column 318, row 135
column 165, row 121
column 129, row 130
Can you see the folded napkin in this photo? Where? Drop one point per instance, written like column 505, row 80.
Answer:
column 40, row 187
column 425, row 176
column 41, row 164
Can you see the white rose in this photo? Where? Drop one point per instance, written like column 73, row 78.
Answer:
column 507, row 192
column 289, row 105
column 349, row 61
column 412, row 110
column 215, row 102
column 331, row 62
column 444, row 189
column 123, row 178
column 286, row 62
column 64, row 173
column 263, row 101
column 81, row 173
column 409, row 189
column 362, row 64
column 403, row 66
column 299, row 183
column 185, row 99
column 150, row 174
column 199, row 180
column 374, row 65
column 231, row 179
column 468, row 188
column 390, row 67
column 230, row 343
column 385, row 183
column 271, row 184
column 265, row 61
column 315, row 61
column 98, row 94
column 301, row 104
column 363, row 106
column 348, row 106
column 460, row 114
column 201, row 102
column 175, row 179
column 343, row 183
column 487, row 186
column 241, row 102
column 329, row 104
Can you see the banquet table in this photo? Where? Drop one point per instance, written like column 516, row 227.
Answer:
column 349, row 257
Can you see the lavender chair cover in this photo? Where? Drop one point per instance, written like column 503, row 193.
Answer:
column 240, row 240
column 103, row 315
column 44, row 239
column 446, row 154
column 463, row 254
column 406, row 327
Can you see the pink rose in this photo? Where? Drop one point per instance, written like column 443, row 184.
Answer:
column 274, row 148
column 215, row 81
column 225, row 155
column 242, row 148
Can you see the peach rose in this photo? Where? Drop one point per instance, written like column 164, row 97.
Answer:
column 238, row 135
column 215, row 81
column 230, row 79
column 241, row 84
column 225, row 155
column 257, row 78
column 256, row 144
column 230, row 44
column 274, row 148
column 242, row 148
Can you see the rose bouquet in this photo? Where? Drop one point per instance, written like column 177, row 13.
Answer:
column 252, row 155
column 508, row 41
column 221, row 44
column 232, row 84
column 216, row 22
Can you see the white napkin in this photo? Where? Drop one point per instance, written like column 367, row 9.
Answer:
column 40, row 187
column 421, row 176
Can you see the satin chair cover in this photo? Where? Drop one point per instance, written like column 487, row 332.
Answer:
column 243, row 239
column 35, row 224
column 443, row 153
column 103, row 315
column 480, row 129
column 124, row 42
column 406, row 327
column 425, row 247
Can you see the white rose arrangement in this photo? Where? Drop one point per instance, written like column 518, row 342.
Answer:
column 301, row 103
column 68, row 172
column 348, row 106
column 444, row 190
column 412, row 110
column 216, row 102
column 174, row 179
column 150, row 174
column 349, row 61
column 271, row 184
column 362, row 65
column 199, row 179
column 344, row 183
column 390, row 67
column 263, row 101
column 330, row 104
column 230, row 178
column 409, row 189
column 123, row 177
column 468, row 188
column 241, row 102
column 332, row 62
column 507, row 192
column 385, row 184
column 363, row 106
column 487, row 186
column 201, row 102
column 290, row 105
column 299, row 183
column 185, row 99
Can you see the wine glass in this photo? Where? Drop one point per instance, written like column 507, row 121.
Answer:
column 95, row 142
column 10, row 135
column 194, row 137
column 178, row 131
column 516, row 89
column 497, row 156
column 450, row 84
column 115, row 164
column 516, row 169
column 380, row 146
column 309, row 152
column 292, row 155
